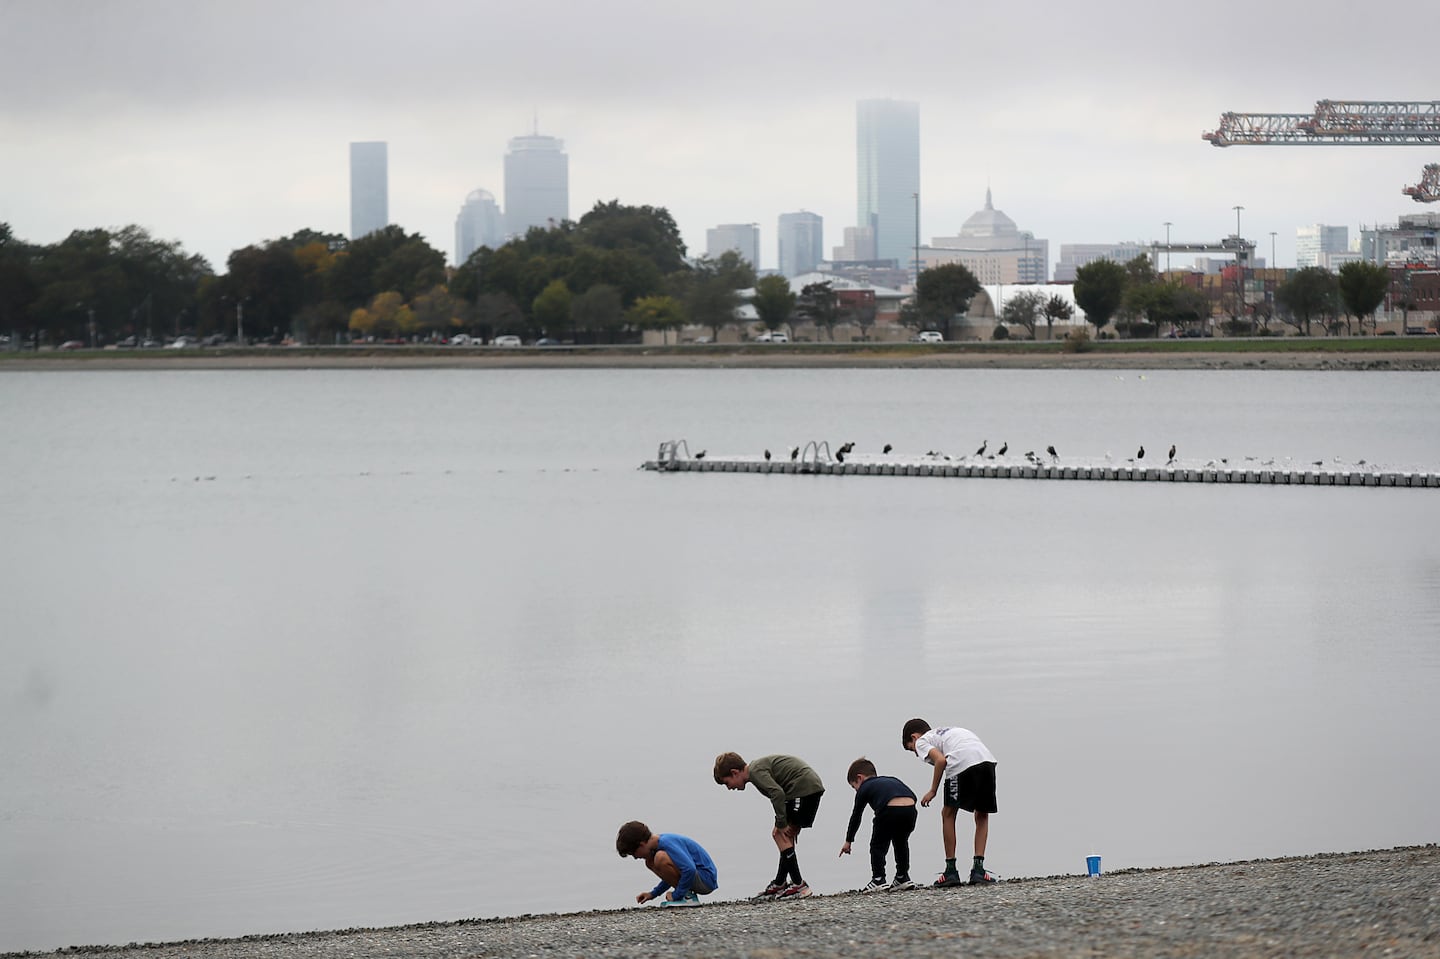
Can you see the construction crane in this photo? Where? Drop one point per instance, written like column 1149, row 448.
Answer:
column 1343, row 123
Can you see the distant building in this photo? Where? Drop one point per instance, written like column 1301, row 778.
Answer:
column 1315, row 242
column 369, row 188
column 1411, row 241
column 479, row 223
column 887, row 168
column 537, row 184
column 1075, row 255
column 859, row 247
column 993, row 248
column 743, row 238
column 800, row 239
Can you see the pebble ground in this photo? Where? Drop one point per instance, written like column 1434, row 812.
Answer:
column 1380, row 903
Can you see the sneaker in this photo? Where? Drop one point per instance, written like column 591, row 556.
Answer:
column 798, row 891
column 949, row 879
column 691, row 899
column 979, row 877
column 901, row 884
column 874, row 885
column 771, row 891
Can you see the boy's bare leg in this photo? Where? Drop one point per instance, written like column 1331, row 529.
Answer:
column 783, row 839
column 982, row 832
column 947, row 830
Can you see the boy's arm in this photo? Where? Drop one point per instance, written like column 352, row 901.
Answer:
column 771, row 790
column 855, row 816
column 937, row 759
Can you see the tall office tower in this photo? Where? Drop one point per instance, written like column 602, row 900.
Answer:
column 743, row 238
column 537, row 184
column 369, row 188
column 1315, row 243
column 479, row 223
column 800, row 238
column 887, row 166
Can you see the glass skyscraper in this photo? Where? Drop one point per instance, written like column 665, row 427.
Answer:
column 800, row 242
column 369, row 188
column 537, row 184
column 887, row 166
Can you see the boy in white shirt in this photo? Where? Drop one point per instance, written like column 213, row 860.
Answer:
column 968, row 771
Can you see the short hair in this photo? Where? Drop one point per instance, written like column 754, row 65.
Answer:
column 911, row 728
column 725, row 764
column 860, row 767
column 631, row 837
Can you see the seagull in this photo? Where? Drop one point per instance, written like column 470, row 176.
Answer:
column 887, row 448
column 794, row 454
column 1051, row 451
column 1172, row 452
column 700, row 455
column 981, row 450
column 1140, row 455
column 767, row 456
column 1003, row 447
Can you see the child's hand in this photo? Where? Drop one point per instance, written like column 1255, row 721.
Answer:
column 644, row 897
column 925, row 799
column 844, row 850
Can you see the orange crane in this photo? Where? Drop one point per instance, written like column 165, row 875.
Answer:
column 1343, row 122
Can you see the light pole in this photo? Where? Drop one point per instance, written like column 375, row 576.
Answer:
column 1239, row 265
column 1272, row 249
column 1167, row 246
column 917, row 239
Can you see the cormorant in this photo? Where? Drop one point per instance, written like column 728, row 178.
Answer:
column 1140, row 455
column 1051, row 451
column 794, row 454
column 700, row 455
column 887, row 448
column 1172, row 452
column 981, row 450
column 840, row 455
column 1003, row 447
column 767, row 456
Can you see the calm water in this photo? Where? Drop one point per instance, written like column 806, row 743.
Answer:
column 299, row 650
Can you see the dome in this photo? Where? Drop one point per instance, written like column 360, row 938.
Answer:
column 480, row 196
column 989, row 222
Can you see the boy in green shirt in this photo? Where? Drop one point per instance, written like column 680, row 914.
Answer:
column 794, row 789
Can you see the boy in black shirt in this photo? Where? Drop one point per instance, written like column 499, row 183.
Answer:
column 894, row 805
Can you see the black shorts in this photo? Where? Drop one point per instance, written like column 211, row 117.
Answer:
column 973, row 790
column 800, row 811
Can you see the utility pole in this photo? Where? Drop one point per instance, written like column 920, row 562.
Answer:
column 917, row 239
column 1239, row 266
column 1167, row 246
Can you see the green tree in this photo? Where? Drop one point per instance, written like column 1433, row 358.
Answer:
column 773, row 301
column 712, row 290
column 18, row 287
column 1362, row 289
column 1024, row 309
column 387, row 315
column 495, row 314
column 1309, row 293
column 663, row 313
column 649, row 232
column 1100, row 290
column 943, row 293
column 598, row 312
column 1056, row 308
column 551, row 309
column 819, row 304
column 436, row 311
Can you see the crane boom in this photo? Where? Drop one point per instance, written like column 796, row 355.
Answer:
column 1428, row 189
column 1335, row 123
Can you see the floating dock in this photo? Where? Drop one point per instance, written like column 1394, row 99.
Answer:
column 674, row 456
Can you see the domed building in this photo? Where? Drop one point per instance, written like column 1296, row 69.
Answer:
column 478, row 224
column 992, row 247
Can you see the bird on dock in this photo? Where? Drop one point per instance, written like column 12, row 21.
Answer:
column 981, row 450
column 848, row 447
column 1030, row 455
column 1140, row 455
column 794, row 454
column 767, row 456
column 700, row 455
column 840, row 455
column 1003, row 447
column 887, row 448
column 1318, row 463
column 1051, row 450
column 1172, row 452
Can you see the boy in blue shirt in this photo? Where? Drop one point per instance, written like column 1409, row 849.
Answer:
column 679, row 861
column 894, row 805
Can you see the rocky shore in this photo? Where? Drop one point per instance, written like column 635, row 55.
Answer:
column 1380, row 903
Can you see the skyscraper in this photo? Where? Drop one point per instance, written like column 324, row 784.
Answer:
column 537, row 184
column 887, row 167
column 800, row 238
column 479, row 223
column 743, row 238
column 1315, row 243
column 369, row 188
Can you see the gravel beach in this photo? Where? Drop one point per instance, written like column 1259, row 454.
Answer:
column 1380, row 903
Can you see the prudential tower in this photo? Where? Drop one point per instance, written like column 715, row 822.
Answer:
column 887, row 167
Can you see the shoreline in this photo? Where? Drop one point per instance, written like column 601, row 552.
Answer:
column 460, row 358
column 1328, row 904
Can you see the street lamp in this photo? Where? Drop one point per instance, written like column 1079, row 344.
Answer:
column 1167, row 246
column 1239, row 265
column 917, row 238
column 1272, row 249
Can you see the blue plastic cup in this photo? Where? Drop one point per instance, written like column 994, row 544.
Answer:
column 1092, row 866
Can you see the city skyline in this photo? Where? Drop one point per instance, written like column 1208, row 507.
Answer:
column 160, row 116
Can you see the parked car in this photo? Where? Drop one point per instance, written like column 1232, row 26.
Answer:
column 927, row 336
column 507, row 340
column 182, row 343
column 547, row 341
column 460, row 339
column 772, row 336
column 72, row 345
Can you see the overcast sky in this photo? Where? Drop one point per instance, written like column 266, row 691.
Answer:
column 222, row 123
